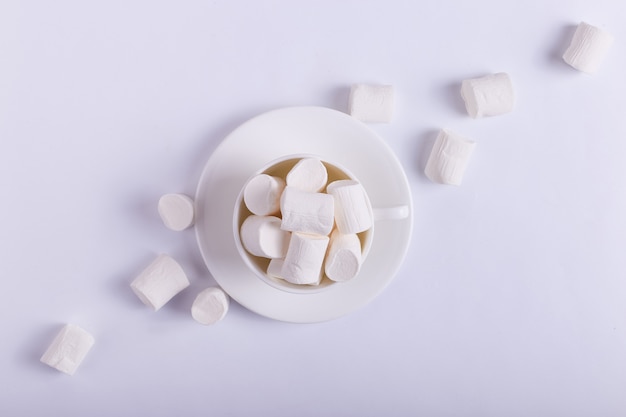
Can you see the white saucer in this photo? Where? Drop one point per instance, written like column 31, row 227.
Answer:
column 334, row 136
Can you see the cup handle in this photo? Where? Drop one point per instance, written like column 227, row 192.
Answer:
column 391, row 213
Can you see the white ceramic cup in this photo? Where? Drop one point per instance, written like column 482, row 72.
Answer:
column 279, row 168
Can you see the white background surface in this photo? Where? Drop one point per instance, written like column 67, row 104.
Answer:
column 512, row 299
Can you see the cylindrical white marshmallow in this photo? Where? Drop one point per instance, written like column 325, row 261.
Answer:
column 490, row 95
column 262, row 194
column 176, row 211
column 160, row 282
column 449, row 158
column 307, row 212
column 68, row 349
column 353, row 211
column 588, row 48
column 372, row 103
column 343, row 261
column 210, row 306
column 275, row 267
column 262, row 236
column 309, row 174
column 305, row 258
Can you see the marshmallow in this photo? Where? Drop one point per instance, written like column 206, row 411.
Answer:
column 210, row 306
column 449, row 158
column 588, row 47
column 305, row 258
column 176, row 211
column 307, row 212
column 490, row 95
column 262, row 194
column 68, row 349
column 262, row 236
column 372, row 103
column 309, row 174
column 160, row 282
column 343, row 261
column 353, row 212
column 274, row 269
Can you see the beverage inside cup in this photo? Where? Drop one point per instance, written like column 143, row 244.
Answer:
column 280, row 168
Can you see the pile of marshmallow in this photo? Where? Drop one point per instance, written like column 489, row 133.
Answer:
column 307, row 227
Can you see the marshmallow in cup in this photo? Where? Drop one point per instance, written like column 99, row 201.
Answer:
column 270, row 269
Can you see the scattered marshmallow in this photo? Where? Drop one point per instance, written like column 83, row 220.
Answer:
column 353, row 211
column 160, row 282
column 262, row 194
column 176, row 211
column 490, row 95
column 372, row 103
column 588, row 47
column 68, row 349
column 275, row 267
column 210, row 306
column 298, row 249
column 305, row 258
column 309, row 174
column 307, row 212
column 343, row 261
column 449, row 158
column 262, row 236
